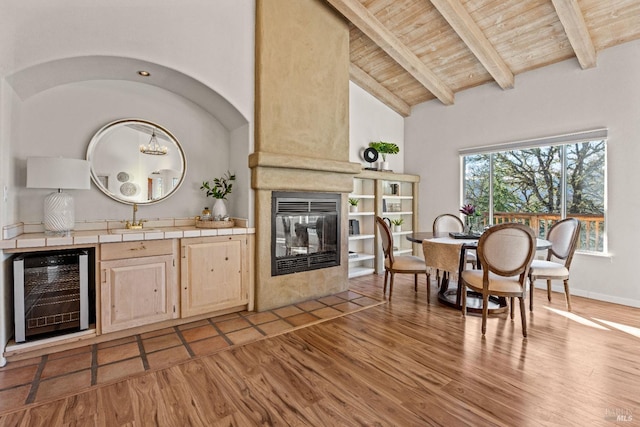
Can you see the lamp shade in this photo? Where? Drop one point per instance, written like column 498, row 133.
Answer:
column 57, row 172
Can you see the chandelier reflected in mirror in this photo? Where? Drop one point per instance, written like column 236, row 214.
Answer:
column 154, row 148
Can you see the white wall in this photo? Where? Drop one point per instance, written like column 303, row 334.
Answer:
column 6, row 288
column 370, row 120
column 61, row 121
column 241, row 200
column 554, row 100
column 209, row 42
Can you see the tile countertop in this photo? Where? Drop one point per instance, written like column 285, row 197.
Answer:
column 25, row 238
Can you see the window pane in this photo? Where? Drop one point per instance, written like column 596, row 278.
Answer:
column 585, row 191
column 526, row 187
column 476, row 184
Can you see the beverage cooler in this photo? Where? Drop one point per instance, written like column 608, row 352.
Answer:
column 51, row 293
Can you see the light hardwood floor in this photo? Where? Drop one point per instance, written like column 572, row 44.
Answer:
column 404, row 363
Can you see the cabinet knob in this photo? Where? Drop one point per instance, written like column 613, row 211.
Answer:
column 226, row 258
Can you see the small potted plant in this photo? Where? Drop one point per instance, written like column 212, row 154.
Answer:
column 219, row 189
column 397, row 224
column 353, row 205
column 384, row 148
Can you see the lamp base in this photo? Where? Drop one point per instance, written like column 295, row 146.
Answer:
column 59, row 215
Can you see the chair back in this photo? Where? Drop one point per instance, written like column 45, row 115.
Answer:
column 387, row 240
column 507, row 250
column 442, row 256
column 563, row 236
column 447, row 223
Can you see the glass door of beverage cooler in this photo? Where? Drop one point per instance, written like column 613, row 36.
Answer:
column 50, row 293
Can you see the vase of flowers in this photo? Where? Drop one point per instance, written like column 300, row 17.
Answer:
column 219, row 189
column 470, row 220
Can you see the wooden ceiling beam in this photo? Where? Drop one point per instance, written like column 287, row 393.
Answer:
column 460, row 20
column 360, row 16
column 371, row 85
column 576, row 29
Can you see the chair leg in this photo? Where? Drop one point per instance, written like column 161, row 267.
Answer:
column 566, row 293
column 513, row 309
column 428, row 288
column 464, row 298
column 415, row 282
column 523, row 313
column 391, row 285
column 531, row 293
column 386, row 278
column 485, row 312
column 549, row 290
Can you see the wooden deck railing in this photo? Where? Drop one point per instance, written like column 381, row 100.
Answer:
column 591, row 232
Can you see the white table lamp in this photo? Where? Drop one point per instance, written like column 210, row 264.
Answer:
column 58, row 173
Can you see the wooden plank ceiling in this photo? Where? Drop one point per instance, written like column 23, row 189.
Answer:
column 405, row 52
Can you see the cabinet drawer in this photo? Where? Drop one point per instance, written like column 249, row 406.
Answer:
column 144, row 248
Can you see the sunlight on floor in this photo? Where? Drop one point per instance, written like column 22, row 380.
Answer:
column 577, row 318
column 624, row 328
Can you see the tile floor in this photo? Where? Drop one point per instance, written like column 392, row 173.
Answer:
column 57, row 374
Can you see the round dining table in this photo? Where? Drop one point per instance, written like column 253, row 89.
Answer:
column 451, row 295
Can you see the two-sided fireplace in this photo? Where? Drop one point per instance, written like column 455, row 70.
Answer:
column 305, row 231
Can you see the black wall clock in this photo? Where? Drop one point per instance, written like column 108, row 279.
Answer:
column 370, row 155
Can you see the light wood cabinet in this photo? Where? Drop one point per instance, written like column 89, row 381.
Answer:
column 214, row 274
column 137, row 284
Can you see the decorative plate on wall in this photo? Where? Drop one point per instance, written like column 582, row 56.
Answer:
column 129, row 189
column 123, row 177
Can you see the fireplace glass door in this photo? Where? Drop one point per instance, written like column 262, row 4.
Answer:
column 305, row 232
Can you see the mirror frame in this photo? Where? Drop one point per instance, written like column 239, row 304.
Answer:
column 105, row 130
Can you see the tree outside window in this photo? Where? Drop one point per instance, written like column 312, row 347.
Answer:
column 538, row 186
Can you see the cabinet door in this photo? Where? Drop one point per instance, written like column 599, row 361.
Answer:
column 136, row 292
column 213, row 274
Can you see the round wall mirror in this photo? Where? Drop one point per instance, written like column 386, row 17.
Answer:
column 136, row 161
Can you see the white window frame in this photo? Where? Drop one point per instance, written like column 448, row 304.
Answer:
column 564, row 140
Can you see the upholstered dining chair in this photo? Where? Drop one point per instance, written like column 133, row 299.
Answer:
column 563, row 236
column 505, row 252
column 449, row 223
column 406, row 264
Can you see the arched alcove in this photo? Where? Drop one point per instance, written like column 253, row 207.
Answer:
column 76, row 76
